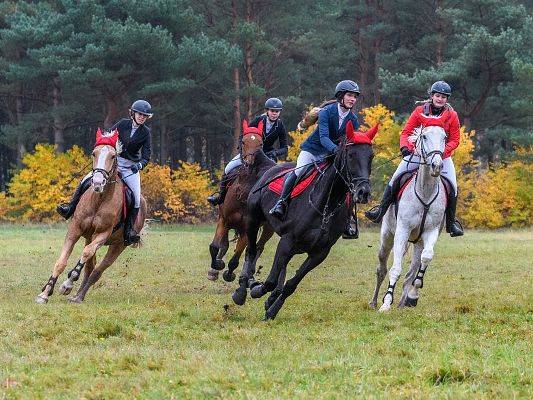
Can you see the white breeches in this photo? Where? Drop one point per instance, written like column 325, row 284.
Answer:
column 234, row 163
column 448, row 169
column 132, row 180
column 305, row 158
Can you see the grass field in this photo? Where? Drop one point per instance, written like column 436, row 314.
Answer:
column 156, row 328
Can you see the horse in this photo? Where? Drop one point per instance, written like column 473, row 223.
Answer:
column 420, row 218
column 314, row 222
column 98, row 218
column 232, row 212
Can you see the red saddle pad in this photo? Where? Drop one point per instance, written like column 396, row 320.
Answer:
column 277, row 184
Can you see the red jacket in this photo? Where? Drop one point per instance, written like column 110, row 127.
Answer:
column 448, row 120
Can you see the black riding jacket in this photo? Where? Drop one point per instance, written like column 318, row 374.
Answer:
column 277, row 132
column 138, row 147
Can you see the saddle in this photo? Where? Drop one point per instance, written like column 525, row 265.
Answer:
column 308, row 177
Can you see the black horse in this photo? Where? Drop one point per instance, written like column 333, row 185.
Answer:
column 315, row 219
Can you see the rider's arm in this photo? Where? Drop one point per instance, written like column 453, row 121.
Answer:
column 283, row 146
column 454, row 135
column 323, row 130
column 410, row 125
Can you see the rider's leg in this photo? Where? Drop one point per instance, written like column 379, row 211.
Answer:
column 134, row 183
column 376, row 214
column 453, row 227
column 218, row 198
column 66, row 210
column 280, row 208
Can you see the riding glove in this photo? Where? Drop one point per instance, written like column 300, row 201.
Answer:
column 136, row 167
column 405, row 151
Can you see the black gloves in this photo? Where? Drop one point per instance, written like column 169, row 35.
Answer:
column 405, row 151
column 136, row 167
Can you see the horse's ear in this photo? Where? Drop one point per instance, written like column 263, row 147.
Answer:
column 98, row 134
column 260, row 128
column 350, row 132
column 244, row 126
column 372, row 132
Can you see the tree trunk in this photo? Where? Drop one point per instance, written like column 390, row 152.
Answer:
column 249, row 64
column 113, row 109
column 163, row 143
column 21, row 148
column 237, row 87
column 440, row 36
column 59, row 138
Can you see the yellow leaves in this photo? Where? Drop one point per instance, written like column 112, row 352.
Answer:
column 297, row 139
column 386, row 142
column 177, row 195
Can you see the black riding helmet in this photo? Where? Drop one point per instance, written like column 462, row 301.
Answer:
column 346, row 86
column 273, row 104
column 141, row 106
column 440, row 87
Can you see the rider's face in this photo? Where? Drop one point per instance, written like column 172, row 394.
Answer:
column 349, row 99
column 439, row 99
column 273, row 115
column 140, row 118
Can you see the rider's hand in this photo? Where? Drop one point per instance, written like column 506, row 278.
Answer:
column 271, row 154
column 136, row 167
column 405, row 151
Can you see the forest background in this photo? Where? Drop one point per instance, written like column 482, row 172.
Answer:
column 67, row 67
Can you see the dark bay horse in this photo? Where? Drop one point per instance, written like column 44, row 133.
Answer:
column 315, row 219
column 97, row 215
column 232, row 212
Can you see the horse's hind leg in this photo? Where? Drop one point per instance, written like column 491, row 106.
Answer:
column 229, row 275
column 266, row 234
column 87, row 271
column 113, row 252
column 70, row 240
column 387, row 240
column 290, row 286
column 277, row 291
column 408, row 283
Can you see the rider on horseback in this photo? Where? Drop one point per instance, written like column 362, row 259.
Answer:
column 332, row 120
column 273, row 129
column 433, row 112
column 135, row 138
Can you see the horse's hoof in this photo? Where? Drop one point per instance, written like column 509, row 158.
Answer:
column 74, row 299
column 41, row 300
column 257, row 291
column 239, row 296
column 219, row 265
column 373, row 304
column 410, row 302
column 384, row 308
column 212, row 274
column 66, row 288
column 228, row 276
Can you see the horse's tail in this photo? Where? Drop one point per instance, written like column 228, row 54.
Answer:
column 311, row 117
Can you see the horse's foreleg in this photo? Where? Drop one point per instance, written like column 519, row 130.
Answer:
column 216, row 250
column 59, row 267
column 408, row 282
column 281, row 259
column 290, row 286
column 429, row 239
column 401, row 238
column 248, row 270
column 113, row 252
column 387, row 240
column 229, row 275
column 72, row 276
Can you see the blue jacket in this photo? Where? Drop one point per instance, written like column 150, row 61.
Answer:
column 327, row 134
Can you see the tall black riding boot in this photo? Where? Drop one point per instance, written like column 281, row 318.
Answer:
column 130, row 236
column 218, row 197
column 351, row 230
column 280, row 208
column 376, row 214
column 453, row 227
column 66, row 210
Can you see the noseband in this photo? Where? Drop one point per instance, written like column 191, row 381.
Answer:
column 353, row 183
column 107, row 174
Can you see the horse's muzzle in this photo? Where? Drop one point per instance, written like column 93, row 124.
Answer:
column 362, row 194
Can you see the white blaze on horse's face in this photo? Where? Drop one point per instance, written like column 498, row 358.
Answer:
column 103, row 162
column 430, row 144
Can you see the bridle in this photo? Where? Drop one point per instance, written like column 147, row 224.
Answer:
column 424, row 155
column 245, row 156
column 107, row 174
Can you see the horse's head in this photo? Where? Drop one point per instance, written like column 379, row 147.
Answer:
column 252, row 141
column 104, row 158
column 430, row 144
column 355, row 161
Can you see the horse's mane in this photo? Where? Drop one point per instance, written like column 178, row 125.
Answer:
column 413, row 137
column 118, row 147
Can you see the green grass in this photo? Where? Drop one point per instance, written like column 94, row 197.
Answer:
column 155, row 328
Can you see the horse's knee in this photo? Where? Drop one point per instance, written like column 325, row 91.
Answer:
column 427, row 256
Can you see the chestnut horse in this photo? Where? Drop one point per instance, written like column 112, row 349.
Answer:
column 98, row 219
column 232, row 212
